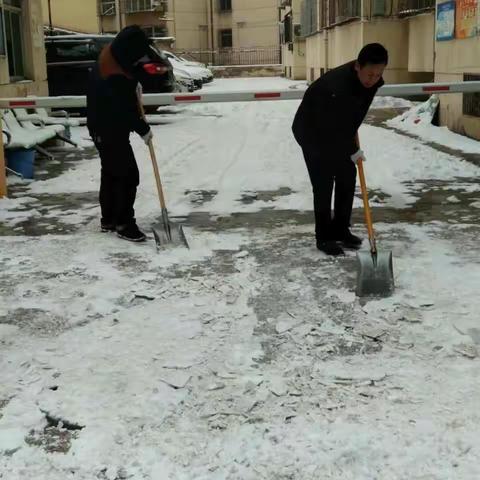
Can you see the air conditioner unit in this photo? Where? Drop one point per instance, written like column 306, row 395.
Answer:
column 297, row 30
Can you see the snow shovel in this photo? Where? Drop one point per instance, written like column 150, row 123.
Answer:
column 166, row 233
column 375, row 269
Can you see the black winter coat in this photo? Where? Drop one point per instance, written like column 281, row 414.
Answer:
column 331, row 112
column 112, row 106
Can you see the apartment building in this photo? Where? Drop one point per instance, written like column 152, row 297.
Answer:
column 195, row 25
column 457, row 58
column 426, row 40
column 333, row 31
column 22, row 54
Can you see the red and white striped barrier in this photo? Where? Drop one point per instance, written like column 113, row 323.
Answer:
column 403, row 90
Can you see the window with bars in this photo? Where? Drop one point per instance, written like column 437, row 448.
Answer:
column 309, row 19
column 412, row 7
column 344, row 10
column 134, row 6
column 225, row 5
column 288, row 29
column 226, row 38
column 156, row 31
column 471, row 101
column 107, row 7
column 12, row 19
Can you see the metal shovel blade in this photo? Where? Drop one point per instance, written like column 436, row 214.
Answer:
column 375, row 274
column 173, row 235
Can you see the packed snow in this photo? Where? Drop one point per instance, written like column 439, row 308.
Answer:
column 418, row 121
column 247, row 356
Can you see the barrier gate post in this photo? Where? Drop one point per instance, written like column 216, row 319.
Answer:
column 3, row 170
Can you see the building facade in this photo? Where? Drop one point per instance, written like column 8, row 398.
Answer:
column 427, row 41
column 22, row 53
column 333, row 31
column 195, row 25
column 457, row 58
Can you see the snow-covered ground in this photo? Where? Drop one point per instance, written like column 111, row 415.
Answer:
column 247, row 356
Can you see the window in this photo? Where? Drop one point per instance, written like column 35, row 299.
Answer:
column 12, row 16
column 107, row 7
column 471, row 101
column 3, row 50
column 225, row 5
column 156, row 31
column 226, row 38
column 71, row 51
column 288, row 29
column 309, row 17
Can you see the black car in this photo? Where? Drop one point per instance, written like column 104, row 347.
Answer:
column 71, row 57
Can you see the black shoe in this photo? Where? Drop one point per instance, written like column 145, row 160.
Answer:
column 131, row 233
column 330, row 247
column 107, row 227
column 349, row 240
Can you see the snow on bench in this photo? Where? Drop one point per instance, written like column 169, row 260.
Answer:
column 22, row 137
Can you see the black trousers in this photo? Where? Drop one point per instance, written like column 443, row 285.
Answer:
column 326, row 173
column 119, row 179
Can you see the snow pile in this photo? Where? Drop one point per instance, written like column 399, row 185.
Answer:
column 418, row 121
column 390, row 102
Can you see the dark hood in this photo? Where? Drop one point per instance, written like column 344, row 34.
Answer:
column 129, row 46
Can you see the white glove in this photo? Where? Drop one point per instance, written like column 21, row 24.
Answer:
column 359, row 155
column 148, row 137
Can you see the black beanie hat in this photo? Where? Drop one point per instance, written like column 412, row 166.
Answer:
column 129, row 46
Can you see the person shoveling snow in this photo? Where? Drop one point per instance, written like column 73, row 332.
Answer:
column 326, row 127
column 112, row 114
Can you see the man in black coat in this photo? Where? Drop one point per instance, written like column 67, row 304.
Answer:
column 326, row 127
column 112, row 114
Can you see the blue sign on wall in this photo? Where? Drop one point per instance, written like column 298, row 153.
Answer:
column 446, row 21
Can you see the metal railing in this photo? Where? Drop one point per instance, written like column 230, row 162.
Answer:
column 413, row 7
column 107, row 7
column 137, row 6
column 236, row 56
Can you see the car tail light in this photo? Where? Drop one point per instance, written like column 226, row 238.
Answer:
column 155, row 69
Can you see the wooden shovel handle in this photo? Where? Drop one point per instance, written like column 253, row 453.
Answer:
column 366, row 207
column 153, row 156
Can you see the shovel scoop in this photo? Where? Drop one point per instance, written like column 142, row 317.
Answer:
column 374, row 268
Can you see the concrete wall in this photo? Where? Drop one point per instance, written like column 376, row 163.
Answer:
column 191, row 24
column 453, row 59
column 421, row 35
column 77, row 15
column 316, row 55
column 255, row 23
column 295, row 61
column 336, row 46
column 34, row 56
column 344, row 42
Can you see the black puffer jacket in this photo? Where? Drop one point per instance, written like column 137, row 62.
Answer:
column 112, row 106
column 331, row 112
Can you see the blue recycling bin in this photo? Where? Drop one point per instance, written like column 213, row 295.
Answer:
column 21, row 161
